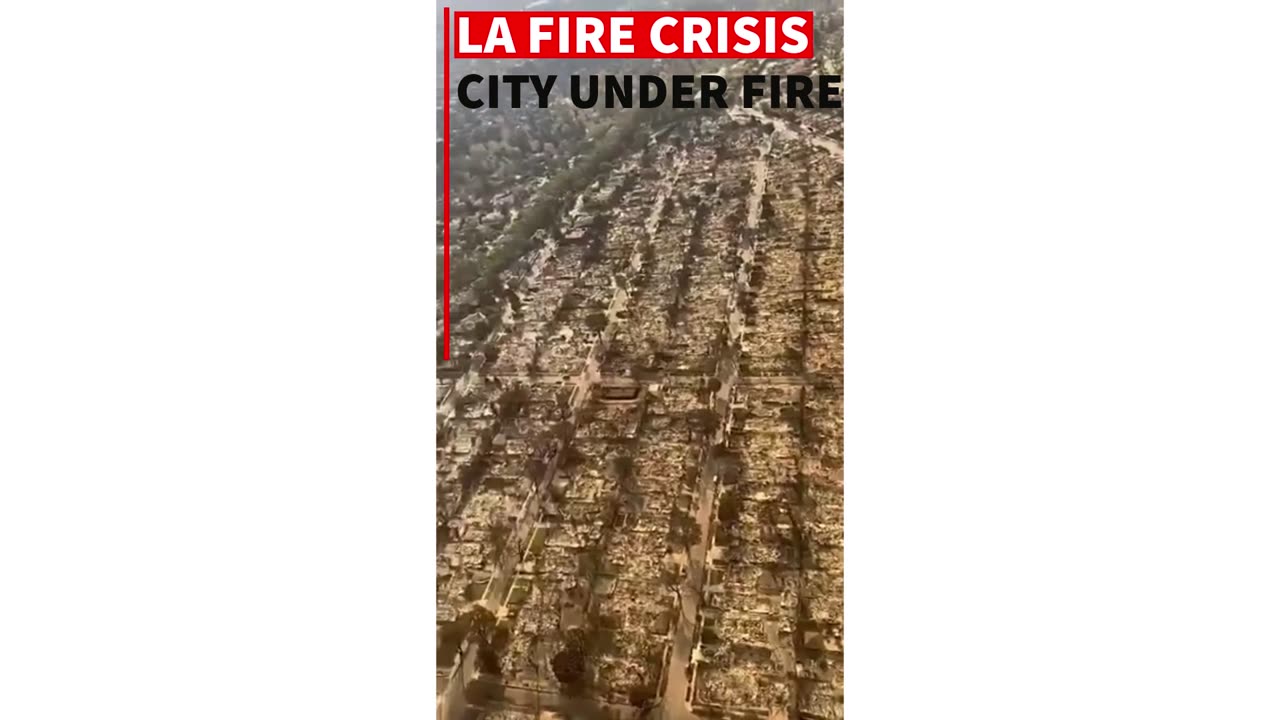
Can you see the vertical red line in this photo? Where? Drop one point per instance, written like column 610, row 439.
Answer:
column 445, row 209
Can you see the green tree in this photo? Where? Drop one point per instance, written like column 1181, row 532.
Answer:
column 570, row 663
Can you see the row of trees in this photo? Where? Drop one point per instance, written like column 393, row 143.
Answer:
column 549, row 201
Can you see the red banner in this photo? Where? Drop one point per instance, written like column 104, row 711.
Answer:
column 639, row 35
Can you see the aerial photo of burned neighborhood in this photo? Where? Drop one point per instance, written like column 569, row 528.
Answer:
column 639, row 425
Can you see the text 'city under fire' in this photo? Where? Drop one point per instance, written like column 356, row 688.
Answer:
column 648, row 91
